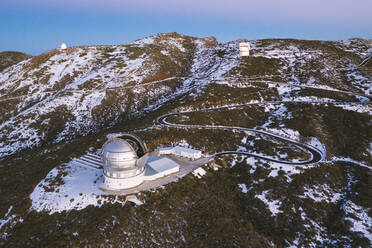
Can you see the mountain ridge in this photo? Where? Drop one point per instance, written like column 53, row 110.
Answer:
column 54, row 79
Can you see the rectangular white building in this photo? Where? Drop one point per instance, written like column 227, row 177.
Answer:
column 160, row 167
column 181, row 151
column 165, row 150
column 244, row 48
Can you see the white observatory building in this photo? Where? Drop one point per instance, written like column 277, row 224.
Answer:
column 244, row 48
column 127, row 163
column 121, row 166
column 63, row 46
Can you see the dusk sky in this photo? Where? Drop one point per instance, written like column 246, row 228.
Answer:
column 35, row 26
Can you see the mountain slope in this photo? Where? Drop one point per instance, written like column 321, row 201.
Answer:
column 10, row 58
column 64, row 93
column 64, row 104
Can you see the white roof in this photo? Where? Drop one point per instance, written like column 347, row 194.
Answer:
column 162, row 164
column 117, row 145
column 186, row 149
column 179, row 148
column 165, row 148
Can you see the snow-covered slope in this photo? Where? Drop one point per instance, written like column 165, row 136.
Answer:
column 64, row 93
column 75, row 91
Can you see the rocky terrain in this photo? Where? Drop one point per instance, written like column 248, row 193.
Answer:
column 63, row 103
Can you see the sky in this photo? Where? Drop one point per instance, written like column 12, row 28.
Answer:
column 35, row 26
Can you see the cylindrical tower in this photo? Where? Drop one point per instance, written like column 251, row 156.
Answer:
column 121, row 168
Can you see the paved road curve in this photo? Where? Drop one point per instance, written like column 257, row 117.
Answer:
column 316, row 154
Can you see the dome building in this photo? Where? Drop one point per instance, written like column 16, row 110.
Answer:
column 63, row 46
column 127, row 163
column 122, row 167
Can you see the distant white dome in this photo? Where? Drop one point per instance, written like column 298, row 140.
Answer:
column 63, row 46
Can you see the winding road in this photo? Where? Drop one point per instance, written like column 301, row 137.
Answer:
column 317, row 154
column 365, row 61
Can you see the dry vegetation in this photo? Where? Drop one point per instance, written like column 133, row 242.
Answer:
column 10, row 58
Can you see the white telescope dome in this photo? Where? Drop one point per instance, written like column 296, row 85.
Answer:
column 120, row 160
column 124, row 158
column 63, row 46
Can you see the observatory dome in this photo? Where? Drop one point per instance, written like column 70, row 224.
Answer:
column 120, row 160
column 63, row 46
column 124, row 158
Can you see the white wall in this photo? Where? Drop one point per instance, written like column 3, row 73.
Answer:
column 174, row 151
column 123, row 183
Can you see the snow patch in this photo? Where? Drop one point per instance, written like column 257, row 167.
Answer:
column 8, row 222
column 273, row 205
column 321, row 193
column 243, row 187
column 360, row 220
column 69, row 186
column 360, row 108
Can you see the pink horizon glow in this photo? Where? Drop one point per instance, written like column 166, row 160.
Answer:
column 315, row 10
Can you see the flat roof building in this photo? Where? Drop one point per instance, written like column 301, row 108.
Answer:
column 181, row 151
column 244, row 48
column 159, row 167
